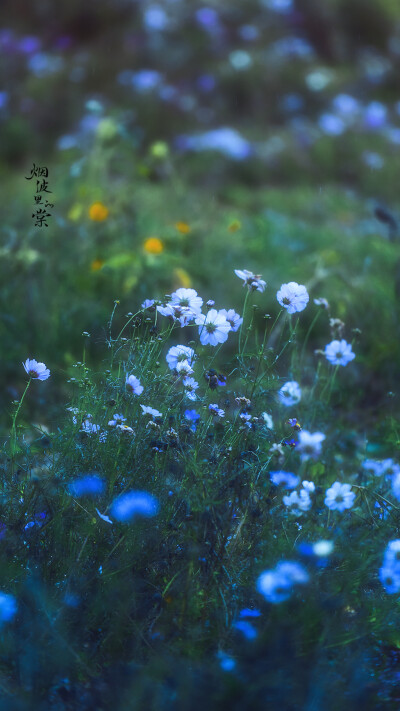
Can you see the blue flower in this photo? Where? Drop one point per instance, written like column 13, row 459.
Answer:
column 90, row 485
column 8, row 607
column 134, row 503
column 247, row 629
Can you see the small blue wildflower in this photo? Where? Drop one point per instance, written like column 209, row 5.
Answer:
column 192, row 416
column 247, row 629
column 247, row 612
column 90, row 485
column 8, row 607
column 226, row 662
column 134, row 503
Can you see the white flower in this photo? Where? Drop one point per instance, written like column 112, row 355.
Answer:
column 216, row 410
column 390, row 578
column 253, row 281
column 322, row 548
column 190, row 385
column 150, row 411
column 213, row 328
column 293, row 297
column 286, row 479
column 339, row 497
column 133, row 384
column 117, row 420
column 309, row 486
column 187, row 298
column 392, row 553
column 184, row 368
column 36, row 370
column 125, row 428
column 232, row 317
column 269, row 423
column 290, row 393
column 339, row 352
column 309, row 444
column 298, row 502
column 178, row 354
column 181, row 313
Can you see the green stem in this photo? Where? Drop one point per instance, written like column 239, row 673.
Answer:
column 14, row 423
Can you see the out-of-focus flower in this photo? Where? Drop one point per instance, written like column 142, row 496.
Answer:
column 331, row 125
column 104, row 517
column 389, row 573
column 133, row 385
column 246, row 628
column 117, row 420
column 98, row 212
column 8, row 607
column 232, row 317
column 90, row 485
column 253, row 281
column 35, row 370
column 150, row 411
column 339, row 497
column 148, row 304
column 177, row 354
column 286, row 479
column 183, row 228
column 153, row 245
column 276, row 585
column 298, row 502
column 269, row 423
column 224, row 140
column 134, row 503
column 310, row 444
column 339, row 352
column 184, row 369
column 89, row 427
column 213, row 328
column 293, row 297
column 193, row 417
column 290, row 393
column 215, row 410
column 190, row 385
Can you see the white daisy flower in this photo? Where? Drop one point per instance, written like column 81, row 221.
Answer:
column 298, row 502
column 310, row 444
column 178, row 354
column 253, row 281
column 339, row 497
column 293, row 297
column 232, row 317
column 133, row 384
column 339, row 352
column 290, row 393
column 213, row 328
column 35, row 370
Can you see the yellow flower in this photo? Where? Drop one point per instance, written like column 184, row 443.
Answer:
column 183, row 228
column 153, row 245
column 96, row 265
column 182, row 278
column 234, row 226
column 98, row 212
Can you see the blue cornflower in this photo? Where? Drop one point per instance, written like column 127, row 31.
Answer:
column 90, row 485
column 134, row 503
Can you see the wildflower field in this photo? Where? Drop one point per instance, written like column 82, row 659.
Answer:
column 200, row 341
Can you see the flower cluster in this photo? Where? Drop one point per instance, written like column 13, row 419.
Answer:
column 277, row 585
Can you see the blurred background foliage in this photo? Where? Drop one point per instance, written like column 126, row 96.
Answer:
column 184, row 140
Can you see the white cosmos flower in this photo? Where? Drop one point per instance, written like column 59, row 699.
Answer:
column 190, row 385
column 339, row 497
column 293, row 297
column 290, row 393
column 133, row 384
column 339, row 352
column 187, row 298
column 177, row 354
column 298, row 502
column 253, row 281
column 232, row 317
column 310, row 444
column 218, row 412
column 213, row 328
column 184, row 368
column 150, row 411
column 35, row 370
